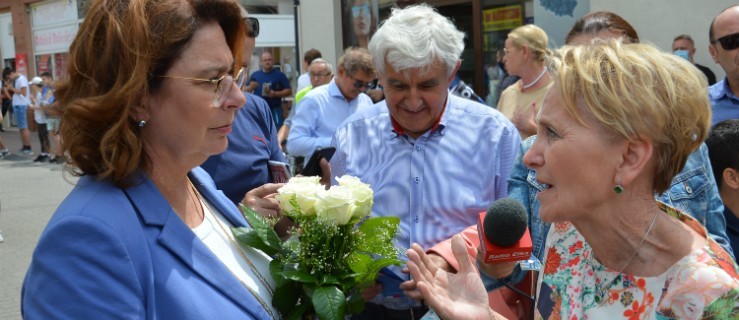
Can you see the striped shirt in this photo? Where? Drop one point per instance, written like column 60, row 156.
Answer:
column 438, row 183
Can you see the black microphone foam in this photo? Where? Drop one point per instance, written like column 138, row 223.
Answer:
column 505, row 222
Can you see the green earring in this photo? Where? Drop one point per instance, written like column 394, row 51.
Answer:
column 618, row 188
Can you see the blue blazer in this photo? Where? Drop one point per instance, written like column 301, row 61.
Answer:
column 111, row 253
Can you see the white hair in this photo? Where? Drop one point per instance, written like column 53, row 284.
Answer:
column 322, row 61
column 416, row 38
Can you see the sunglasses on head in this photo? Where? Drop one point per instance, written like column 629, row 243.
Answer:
column 253, row 24
column 729, row 42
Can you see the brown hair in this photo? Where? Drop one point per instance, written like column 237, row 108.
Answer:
column 131, row 42
column 311, row 55
column 595, row 22
column 357, row 59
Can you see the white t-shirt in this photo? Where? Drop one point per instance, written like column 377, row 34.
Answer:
column 18, row 99
column 219, row 241
column 38, row 114
column 303, row 82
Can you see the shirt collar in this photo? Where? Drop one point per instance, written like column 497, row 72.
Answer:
column 722, row 90
column 334, row 91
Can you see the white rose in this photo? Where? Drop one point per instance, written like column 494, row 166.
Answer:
column 303, row 191
column 335, row 205
column 361, row 193
column 305, row 180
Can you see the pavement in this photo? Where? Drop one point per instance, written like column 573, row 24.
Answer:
column 29, row 194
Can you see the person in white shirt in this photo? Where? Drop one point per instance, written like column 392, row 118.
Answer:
column 20, row 106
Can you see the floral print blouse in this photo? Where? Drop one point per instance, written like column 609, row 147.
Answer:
column 573, row 285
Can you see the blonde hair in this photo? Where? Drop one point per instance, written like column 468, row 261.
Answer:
column 636, row 91
column 532, row 37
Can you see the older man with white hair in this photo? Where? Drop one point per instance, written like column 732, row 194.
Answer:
column 434, row 160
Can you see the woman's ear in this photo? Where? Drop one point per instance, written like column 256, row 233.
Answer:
column 140, row 112
column 635, row 158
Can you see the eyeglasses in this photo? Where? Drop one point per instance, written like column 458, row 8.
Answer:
column 223, row 85
column 357, row 10
column 319, row 75
column 729, row 42
column 253, row 25
column 360, row 85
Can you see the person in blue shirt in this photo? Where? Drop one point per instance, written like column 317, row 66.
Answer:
column 242, row 171
column 435, row 160
column 724, row 48
column 723, row 150
column 324, row 108
column 271, row 85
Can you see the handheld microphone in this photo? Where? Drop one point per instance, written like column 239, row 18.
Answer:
column 504, row 233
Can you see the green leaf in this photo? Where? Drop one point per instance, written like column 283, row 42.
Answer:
column 297, row 312
column 286, row 297
column 358, row 262
column 250, row 238
column 329, row 303
column 263, row 228
column 299, row 276
column 374, row 267
column 378, row 234
column 355, row 303
column 275, row 270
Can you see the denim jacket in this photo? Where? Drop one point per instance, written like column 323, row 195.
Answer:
column 693, row 191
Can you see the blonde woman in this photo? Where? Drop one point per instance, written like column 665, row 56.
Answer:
column 613, row 251
column 525, row 52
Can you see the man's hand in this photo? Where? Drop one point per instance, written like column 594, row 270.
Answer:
column 409, row 287
column 497, row 270
column 325, row 173
column 252, row 85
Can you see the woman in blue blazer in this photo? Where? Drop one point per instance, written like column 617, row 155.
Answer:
column 153, row 89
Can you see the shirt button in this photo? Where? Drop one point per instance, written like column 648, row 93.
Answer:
column 418, row 148
column 417, row 180
column 415, row 219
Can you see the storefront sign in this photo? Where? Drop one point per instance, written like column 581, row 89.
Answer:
column 503, row 18
column 54, row 40
column 54, row 13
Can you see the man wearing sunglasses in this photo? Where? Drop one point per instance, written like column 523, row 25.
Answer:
column 324, row 108
column 242, row 171
column 724, row 48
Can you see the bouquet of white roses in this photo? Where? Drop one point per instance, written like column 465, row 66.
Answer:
column 335, row 251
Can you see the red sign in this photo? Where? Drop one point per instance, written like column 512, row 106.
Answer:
column 21, row 64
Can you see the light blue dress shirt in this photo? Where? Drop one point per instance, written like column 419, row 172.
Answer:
column 724, row 104
column 320, row 113
column 693, row 191
column 436, row 184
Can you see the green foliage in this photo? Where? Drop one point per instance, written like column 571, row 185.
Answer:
column 329, row 302
column 321, row 268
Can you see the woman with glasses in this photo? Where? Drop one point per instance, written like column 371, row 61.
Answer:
column 153, row 90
